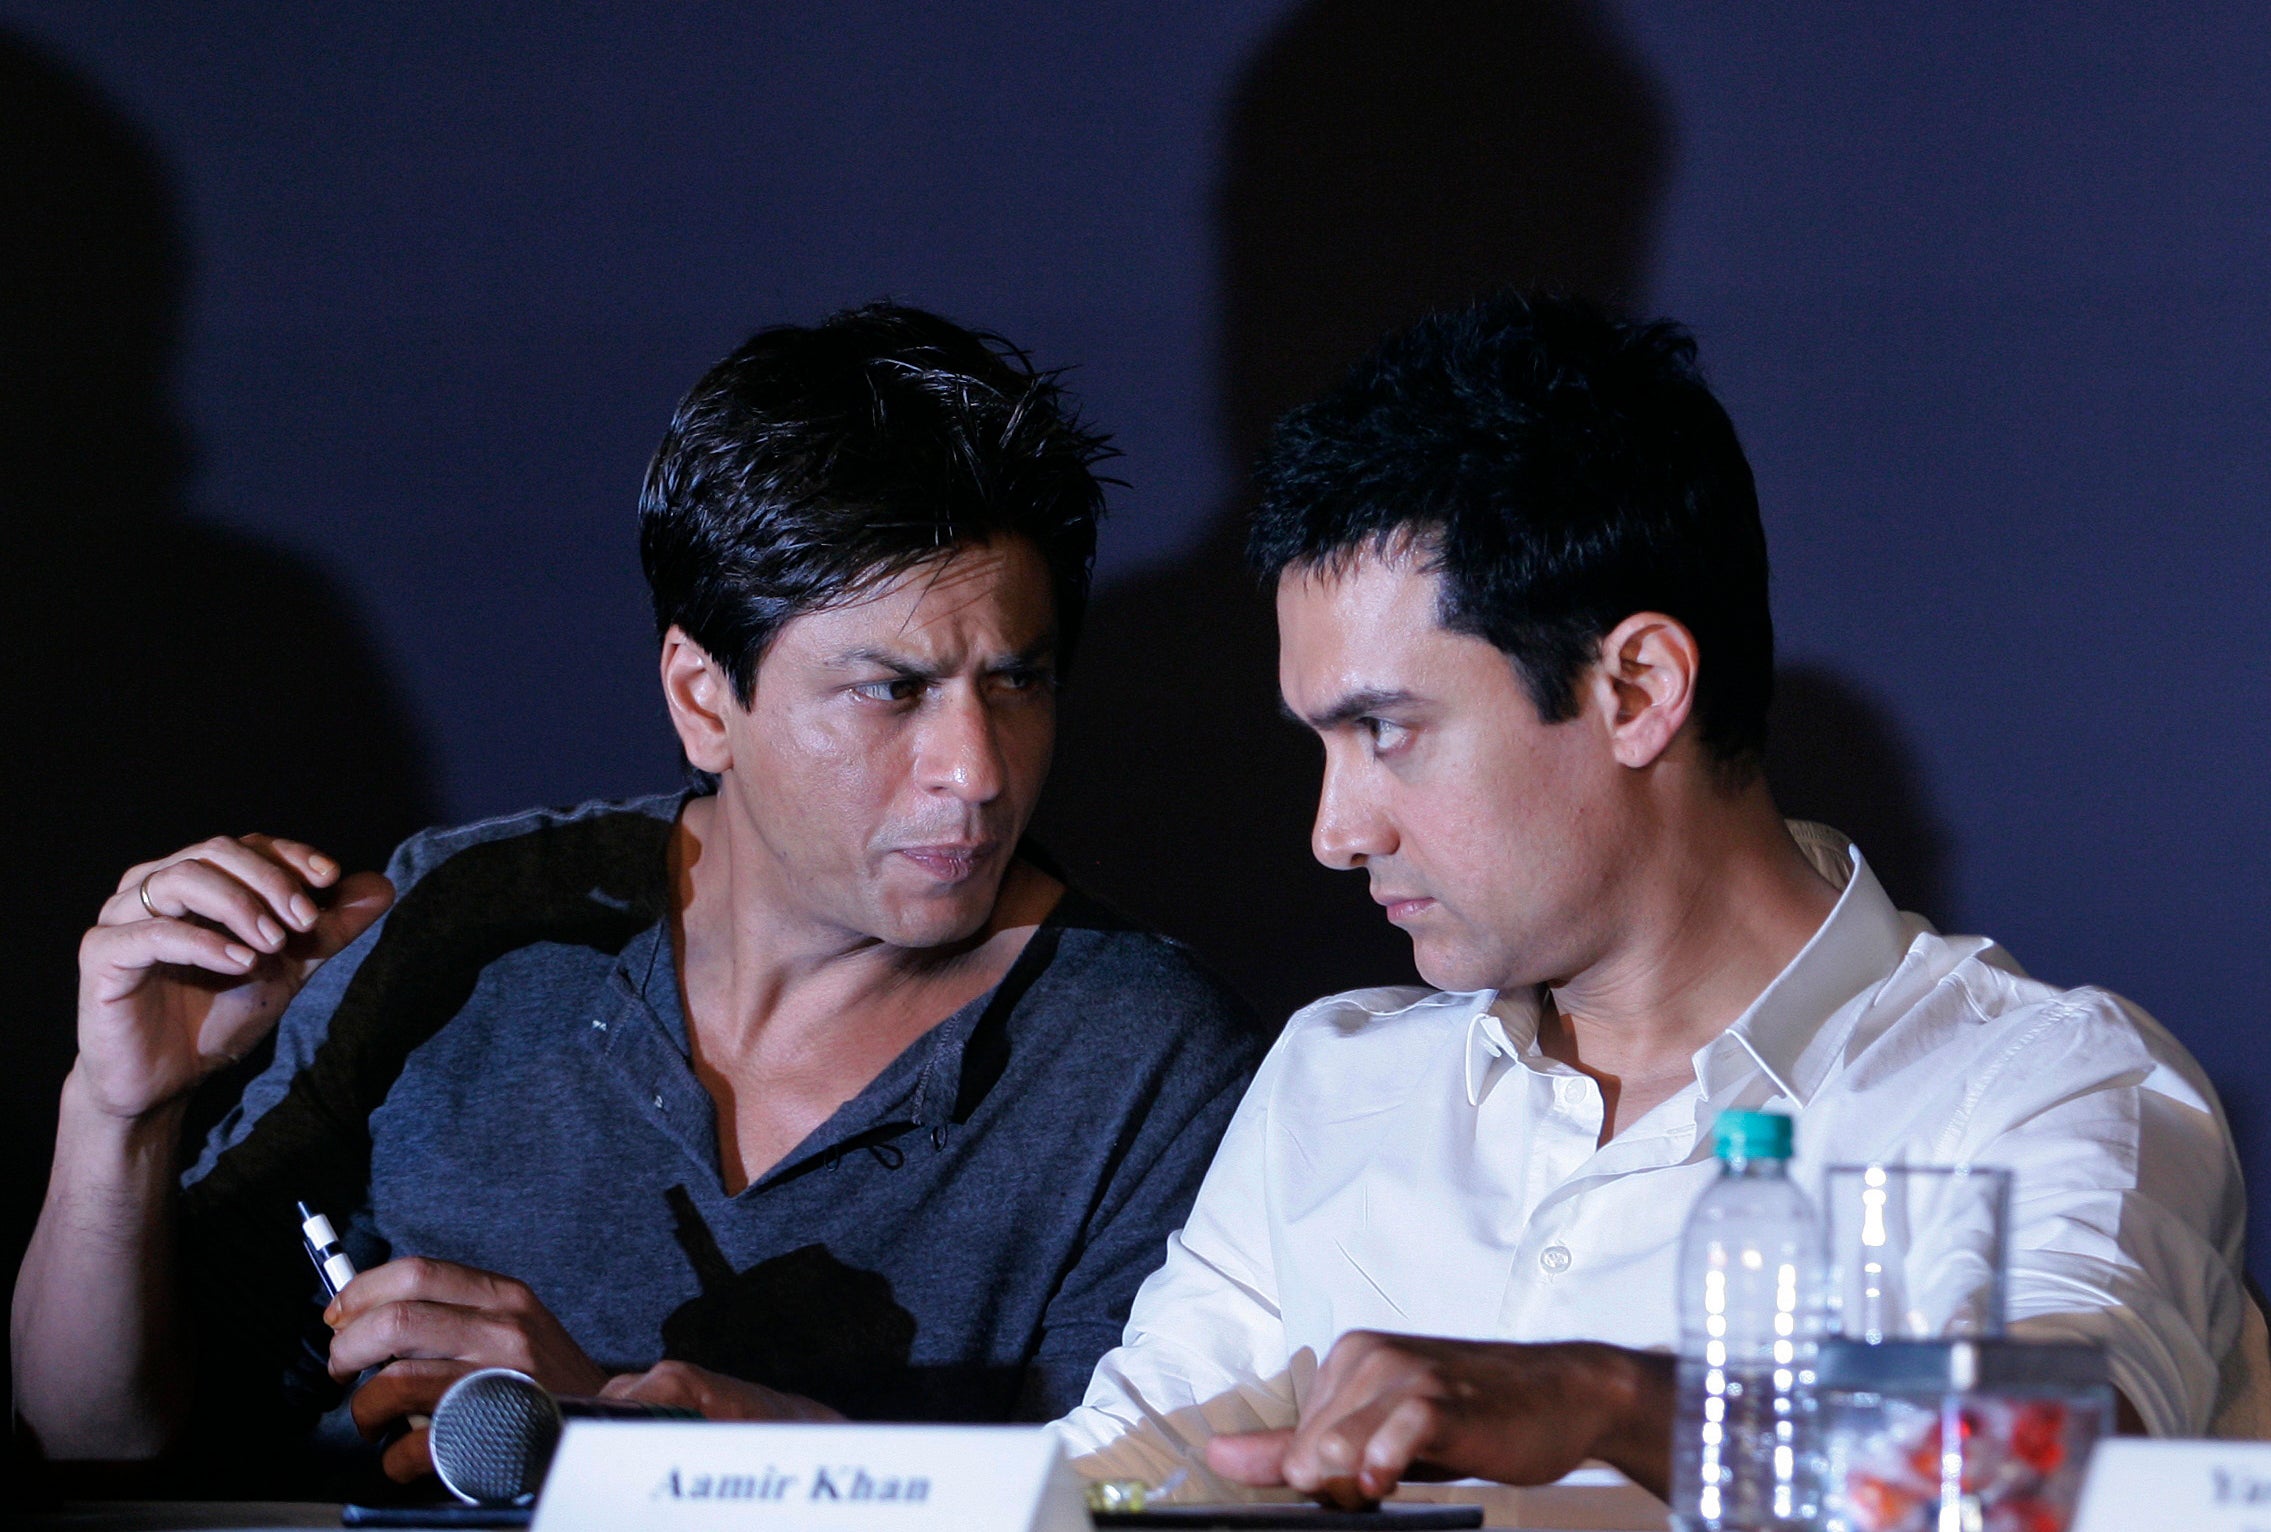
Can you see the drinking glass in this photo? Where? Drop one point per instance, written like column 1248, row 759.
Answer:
column 1916, row 1252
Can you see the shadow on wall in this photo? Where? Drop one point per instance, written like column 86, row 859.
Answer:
column 1834, row 755
column 1382, row 160
column 165, row 680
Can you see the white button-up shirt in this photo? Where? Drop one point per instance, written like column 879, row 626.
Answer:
column 1411, row 1162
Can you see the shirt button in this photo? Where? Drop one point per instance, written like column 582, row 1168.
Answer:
column 1555, row 1259
column 1572, row 1091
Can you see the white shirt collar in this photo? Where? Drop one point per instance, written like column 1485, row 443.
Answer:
column 1855, row 950
column 1489, row 1045
column 1853, row 953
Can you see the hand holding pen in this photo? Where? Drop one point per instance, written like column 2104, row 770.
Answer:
column 417, row 1325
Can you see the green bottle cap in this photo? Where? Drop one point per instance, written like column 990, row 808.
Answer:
column 1753, row 1136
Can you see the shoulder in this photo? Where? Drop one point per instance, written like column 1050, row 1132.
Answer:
column 1115, row 978
column 578, row 882
column 533, row 841
column 1365, row 1050
column 1379, row 1012
column 1973, row 984
column 567, row 887
column 1965, row 1002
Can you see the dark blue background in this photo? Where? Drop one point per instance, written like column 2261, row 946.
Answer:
column 1986, row 290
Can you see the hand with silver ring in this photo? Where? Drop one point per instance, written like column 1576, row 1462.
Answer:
column 165, row 999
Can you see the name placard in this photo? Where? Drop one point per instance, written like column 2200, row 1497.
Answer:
column 683, row 1475
column 2200, row 1486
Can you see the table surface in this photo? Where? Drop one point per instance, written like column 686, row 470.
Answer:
column 1592, row 1507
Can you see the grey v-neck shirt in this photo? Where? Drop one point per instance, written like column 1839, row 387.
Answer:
column 497, row 1074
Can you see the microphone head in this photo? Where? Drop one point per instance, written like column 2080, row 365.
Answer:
column 493, row 1435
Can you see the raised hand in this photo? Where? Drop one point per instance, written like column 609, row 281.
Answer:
column 193, row 959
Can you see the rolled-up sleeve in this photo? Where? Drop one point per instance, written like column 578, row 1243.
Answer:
column 2128, row 1216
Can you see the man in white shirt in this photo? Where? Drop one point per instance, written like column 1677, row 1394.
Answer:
column 1522, row 599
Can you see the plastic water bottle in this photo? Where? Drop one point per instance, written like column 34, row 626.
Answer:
column 1743, row 1451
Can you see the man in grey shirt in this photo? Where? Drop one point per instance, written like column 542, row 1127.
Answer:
column 808, row 1092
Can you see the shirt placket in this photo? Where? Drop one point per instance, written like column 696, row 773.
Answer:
column 1561, row 1123
column 638, row 1051
column 1578, row 1191
column 641, row 1046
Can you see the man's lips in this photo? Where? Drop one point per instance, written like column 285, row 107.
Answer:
column 950, row 862
column 1404, row 906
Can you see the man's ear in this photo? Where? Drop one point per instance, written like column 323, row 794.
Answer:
column 1646, row 678
column 698, row 692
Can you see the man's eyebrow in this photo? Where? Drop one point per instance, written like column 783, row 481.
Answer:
column 1042, row 648
column 1351, row 706
column 881, row 659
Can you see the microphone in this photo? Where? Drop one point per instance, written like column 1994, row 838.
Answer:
column 494, row 1432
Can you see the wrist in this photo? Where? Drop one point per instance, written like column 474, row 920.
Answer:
column 1639, row 1389
column 84, row 1115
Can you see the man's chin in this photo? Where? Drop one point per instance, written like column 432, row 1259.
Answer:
column 939, row 917
column 1448, row 966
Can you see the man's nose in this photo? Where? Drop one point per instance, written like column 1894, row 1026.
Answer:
column 1350, row 828
column 960, row 752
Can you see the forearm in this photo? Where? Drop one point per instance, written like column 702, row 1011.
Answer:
column 98, row 1367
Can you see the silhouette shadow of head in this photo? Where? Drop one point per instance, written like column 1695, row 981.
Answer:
column 91, row 278
column 807, row 1323
column 1382, row 160
column 1833, row 754
column 165, row 679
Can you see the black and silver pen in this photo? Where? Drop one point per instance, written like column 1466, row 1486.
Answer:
column 323, row 1248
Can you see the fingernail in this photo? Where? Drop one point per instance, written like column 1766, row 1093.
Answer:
column 331, row 1313
column 270, row 932
column 244, row 956
column 303, row 911
column 322, row 866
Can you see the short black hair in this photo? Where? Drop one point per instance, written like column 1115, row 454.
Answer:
column 1560, row 468
column 818, row 459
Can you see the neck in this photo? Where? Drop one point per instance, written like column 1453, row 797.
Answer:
column 753, row 962
column 1723, row 899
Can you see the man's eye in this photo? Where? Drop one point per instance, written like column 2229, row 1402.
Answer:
column 1028, row 679
column 897, row 689
column 1386, row 735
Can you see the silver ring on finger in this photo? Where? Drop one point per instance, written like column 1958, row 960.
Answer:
column 143, row 890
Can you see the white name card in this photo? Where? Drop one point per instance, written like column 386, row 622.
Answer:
column 684, row 1475
column 2199, row 1486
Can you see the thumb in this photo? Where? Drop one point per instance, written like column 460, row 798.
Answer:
column 362, row 898
column 678, row 1384
column 1252, row 1457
